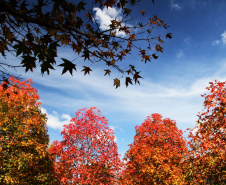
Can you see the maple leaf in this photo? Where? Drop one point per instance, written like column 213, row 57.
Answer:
column 128, row 71
column 45, row 66
column 107, row 71
column 68, row 66
column 116, row 82
column 127, row 11
column 86, row 70
column 113, row 61
column 169, row 35
column 146, row 58
column 143, row 12
column 80, row 6
column 136, row 76
column 86, row 54
column 109, row 3
column 128, row 80
column 154, row 56
column 158, row 48
column 28, row 62
column 132, row 68
column 160, row 40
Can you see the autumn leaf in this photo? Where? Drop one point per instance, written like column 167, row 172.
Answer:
column 158, row 48
column 143, row 12
column 146, row 58
column 50, row 25
column 107, row 71
column 128, row 80
column 154, row 56
column 136, row 76
column 80, row 6
column 68, row 66
column 28, row 62
column 128, row 71
column 169, row 35
column 86, row 70
column 116, row 83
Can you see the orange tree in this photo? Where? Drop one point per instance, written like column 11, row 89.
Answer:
column 35, row 29
column 87, row 154
column 156, row 154
column 208, row 139
column 23, row 136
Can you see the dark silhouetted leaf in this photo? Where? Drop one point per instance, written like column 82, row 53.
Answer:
column 68, row 66
column 86, row 70
column 107, row 71
column 128, row 80
column 28, row 62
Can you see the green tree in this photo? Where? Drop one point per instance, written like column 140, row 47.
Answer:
column 24, row 158
column 33, row 30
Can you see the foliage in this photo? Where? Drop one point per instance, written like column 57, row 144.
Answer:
column 24, row 158
column 34, row 30
column 208, row 139
column 87, row 154
column 156, row 154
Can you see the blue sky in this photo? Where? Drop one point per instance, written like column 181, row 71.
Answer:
column 172, row 85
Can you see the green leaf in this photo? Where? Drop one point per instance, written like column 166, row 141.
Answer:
column 68, row 66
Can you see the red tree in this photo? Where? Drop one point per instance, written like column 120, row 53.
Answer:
column 208, row 143
column 156, row 153
column 87, row 154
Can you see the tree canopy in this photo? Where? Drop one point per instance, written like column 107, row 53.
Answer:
column 208, row 139
column 87, row 154
column 24, row 158
column 156, row 154
column 34, row 30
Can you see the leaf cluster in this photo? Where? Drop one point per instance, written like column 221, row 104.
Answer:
column 34, row 30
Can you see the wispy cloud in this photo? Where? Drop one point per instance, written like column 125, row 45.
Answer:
column 105, row 16
column 222, row 40
column 175, row 6
column 216, row 42
column 180, row 54
column 55, row 120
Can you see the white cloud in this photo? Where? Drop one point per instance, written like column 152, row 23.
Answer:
column 105, row 16
column 223, row 40
column 55, row 120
